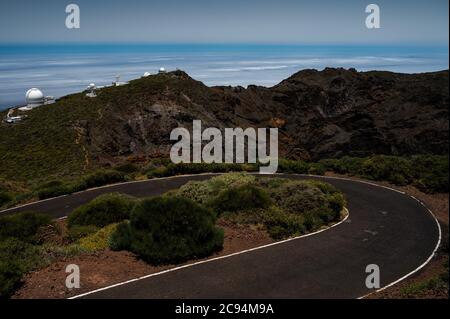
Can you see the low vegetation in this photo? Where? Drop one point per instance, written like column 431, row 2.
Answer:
column 181, row 225
column 438, row 284
column 166, row 230
column 5, row 198
column 19, row 252
column 102, row 211
column 99, row 240
column 281, row 206
column 16, row 259
column 96, row 179
column 244, row 197
column 429, row 173
column 22, row 226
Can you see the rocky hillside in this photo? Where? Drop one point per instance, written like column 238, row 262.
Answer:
column 320, row 114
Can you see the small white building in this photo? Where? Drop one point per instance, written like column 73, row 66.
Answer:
column 11, row 119
column 117, row 81
column 162, row 71
column 146, row 74
column 91, row 88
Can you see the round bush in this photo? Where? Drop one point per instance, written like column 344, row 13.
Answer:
column 53, row 191
column 5, row 198
column 102, row 211
column 317, row 169
column 199, row 192
column 241, row 198
column 203, row 192
column 98, row 178
column 16, row 259
column 23, row 226
column 393, row 169
column 310, row 197
column 431, row 173
column 299, row 197
column 166, row 230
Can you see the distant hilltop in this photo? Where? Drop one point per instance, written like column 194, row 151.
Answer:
column 329, row 113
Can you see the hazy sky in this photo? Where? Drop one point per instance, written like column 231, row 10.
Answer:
column 226, row 21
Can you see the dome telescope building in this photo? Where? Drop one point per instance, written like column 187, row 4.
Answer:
column 35, row 98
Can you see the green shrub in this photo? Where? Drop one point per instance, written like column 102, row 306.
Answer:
column 345, row 165
column 10, row 278
column 278, row 223
column 127, row 168
column 431, row 173
column 393, row 169
column 168, row 230
column 205, row 191
column 98, row 178
column 53, row 191
column 5, row 198
column 316, row 203
column 16, row 259
column 197, row 168
column 289, row 166
column 158, row 172
column 336, row 202
column 76, row 232
column 199, row 192
column 50, row 184
column 241, row 198
column 312, row 220
column 299, row 197
column 121, row 238
column 272, row 183
column 23, row 226
column 52, row 252
column 317, row 169
column 233, row 180
column 99, row 240
column 102, row 211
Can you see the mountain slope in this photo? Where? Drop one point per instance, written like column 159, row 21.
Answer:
column 327, row 113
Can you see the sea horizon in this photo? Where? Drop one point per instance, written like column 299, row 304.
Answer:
column 61, row 69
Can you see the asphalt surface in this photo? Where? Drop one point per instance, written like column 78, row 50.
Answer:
column 385, row 228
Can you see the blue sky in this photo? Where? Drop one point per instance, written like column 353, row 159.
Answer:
column 418, row 22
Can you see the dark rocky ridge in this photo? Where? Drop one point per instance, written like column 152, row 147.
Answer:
column 320, row 114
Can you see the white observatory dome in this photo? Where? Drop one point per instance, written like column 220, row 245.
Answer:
column 146, row 74
column 35, row 97
column 162, row 70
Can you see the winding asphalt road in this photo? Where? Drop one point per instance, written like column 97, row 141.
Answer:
column 385, row 227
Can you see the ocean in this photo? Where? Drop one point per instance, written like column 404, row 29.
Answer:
column 62, row 69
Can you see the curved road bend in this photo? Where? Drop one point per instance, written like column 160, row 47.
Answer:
column 385, row 228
